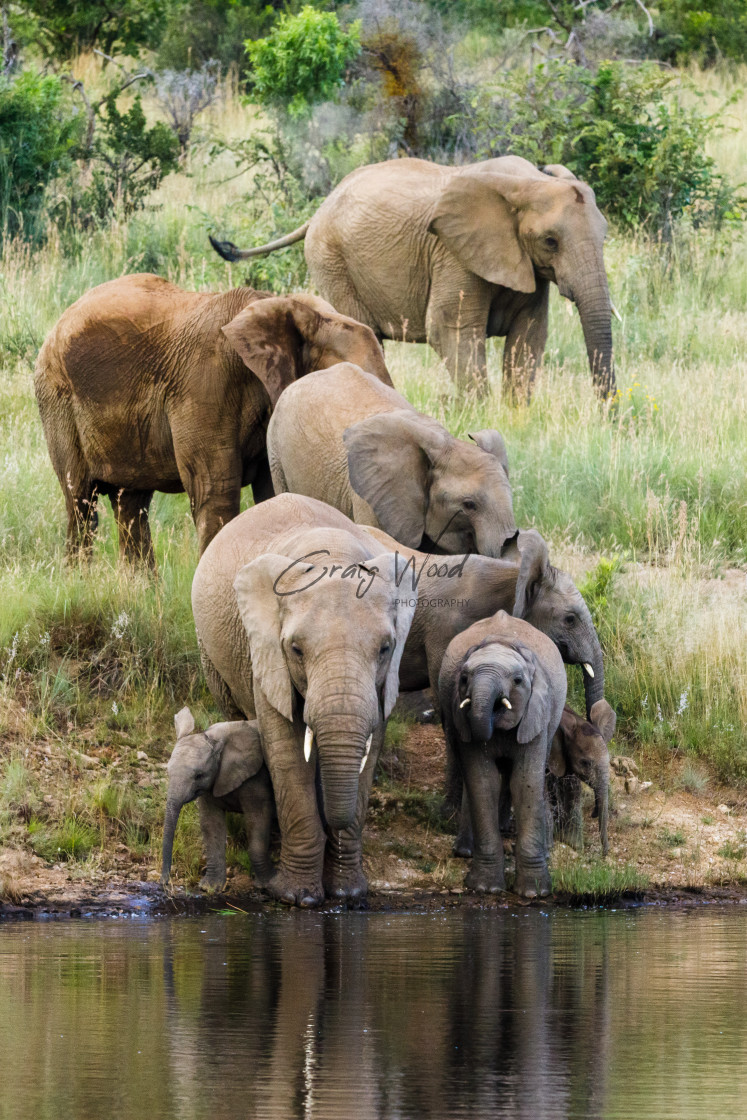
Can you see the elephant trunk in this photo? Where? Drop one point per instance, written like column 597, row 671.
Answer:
column 594, row 686
column 592, row 298
column 485, row 692
column 173, row 809
column 601, row 800
column 341, row 749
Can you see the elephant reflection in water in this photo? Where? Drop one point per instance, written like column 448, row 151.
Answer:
column 328, row 1017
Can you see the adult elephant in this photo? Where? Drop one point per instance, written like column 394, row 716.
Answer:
column 452, row 255
column 301, row 622
column 142, row 386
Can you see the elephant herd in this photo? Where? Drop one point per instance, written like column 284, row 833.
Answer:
column 381, row 554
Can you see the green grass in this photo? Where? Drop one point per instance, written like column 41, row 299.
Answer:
column 597, row 883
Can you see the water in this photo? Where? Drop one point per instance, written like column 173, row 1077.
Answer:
column 348, row 1017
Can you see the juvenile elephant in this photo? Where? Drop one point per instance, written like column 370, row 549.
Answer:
column 502, row 688
column 224, row 769
column 452, row 255
column 342, row 436
column 299, row 621
column 142, row 386
column 580, row 754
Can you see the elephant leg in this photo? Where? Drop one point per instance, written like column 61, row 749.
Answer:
column 297, row 879
column 482, row 781
column 71, row 468
column 525, row 345
column 213, row 484
column 214, row 832
column 569, row 821
column 528, row 796
column 257, row 806
column 82, row 519
column 464, row 843
column 457, row 326
column 262, row 484
column 131, row 512
column 343, row 857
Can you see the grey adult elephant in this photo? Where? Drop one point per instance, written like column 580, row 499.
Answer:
column 502, row 688
column 342, row 436
column 452, row 255
column 301, row 623
column 142, row 386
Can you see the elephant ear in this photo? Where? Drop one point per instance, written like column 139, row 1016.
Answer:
column 559, row 172
column 404, row 606
column 537, row 712
column 184, row 722
column 241, row 757
column 604, row 719
column 556, row 763
column 492, row 441
column 259, row 607
column 475, row 218
column 389, row 456
column 534, row 569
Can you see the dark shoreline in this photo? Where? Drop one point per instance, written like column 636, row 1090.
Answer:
column 149, row 900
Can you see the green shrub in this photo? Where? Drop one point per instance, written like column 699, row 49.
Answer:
column 702, row 29
column 200, row 30
column 65, row 27
column 303, row 60
column 39, row 133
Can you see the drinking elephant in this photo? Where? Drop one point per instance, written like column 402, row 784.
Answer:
column 580, row 754
column 142, row 386
column 298, row 621
column 224, row 769
column 342, row 436
column 452, row 255
column 502, row 688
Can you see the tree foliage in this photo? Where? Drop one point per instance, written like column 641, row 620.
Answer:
column 65, row 27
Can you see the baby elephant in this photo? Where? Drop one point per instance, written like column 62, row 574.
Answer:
column 502, row 688
column 224, row 768
column 579, row 754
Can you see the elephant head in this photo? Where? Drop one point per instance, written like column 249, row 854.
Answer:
column 500, row 685
column 580, row 747
column 281, row 338
column 215, row 761
column 326, row 635
column 509, row 223
column 550, row 600
column 428, row 488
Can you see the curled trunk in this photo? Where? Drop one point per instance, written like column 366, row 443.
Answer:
column 482, row 708
column 173, row 809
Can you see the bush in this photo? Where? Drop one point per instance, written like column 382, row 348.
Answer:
column 702, row 29
column 66, row 27
column 200, row 30
column 621, row 129
column 39, row 132
column 303, row 60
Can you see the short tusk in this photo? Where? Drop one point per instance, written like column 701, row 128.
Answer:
column 308, row 742
column 465, row 702
column 615, row 312
column 589, row 669
column 506, row 702
column 364, row 760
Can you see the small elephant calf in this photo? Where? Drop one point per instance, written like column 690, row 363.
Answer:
column 580, row 753
column 223, row 767
column 502, row 688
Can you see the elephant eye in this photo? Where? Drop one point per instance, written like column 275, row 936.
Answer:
column 570, row 620
column 296, row 649
column 469, row 503
column 464, row 680
column 384, row 649
column 551, row 243
column 518, row 680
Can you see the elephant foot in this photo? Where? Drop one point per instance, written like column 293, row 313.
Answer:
column 212, row 884
column 463, row 844
column 286, row 888
column 485, row 880
column 533, row 884
column 343, row 887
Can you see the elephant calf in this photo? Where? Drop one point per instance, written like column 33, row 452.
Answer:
column 580, row 753
column 224, row 769
column 502, row 688
column 345, row 438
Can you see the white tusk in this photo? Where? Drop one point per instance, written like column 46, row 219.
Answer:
column 308, row 743
column 589, row 669
column 465, row 702
column 364, row 760
column 615, row 312
column 506, row 702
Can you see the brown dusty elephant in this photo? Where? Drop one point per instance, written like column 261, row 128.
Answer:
column 342, row 436
column 502, row 688
column 299, row 621
column 580, row 754
column 142, row 386
column 452, row 255
column 223, row 768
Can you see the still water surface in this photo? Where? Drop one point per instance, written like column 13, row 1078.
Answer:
column 532, row 1014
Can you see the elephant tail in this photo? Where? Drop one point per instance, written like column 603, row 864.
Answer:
column 219, row 690
column 231, row 252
